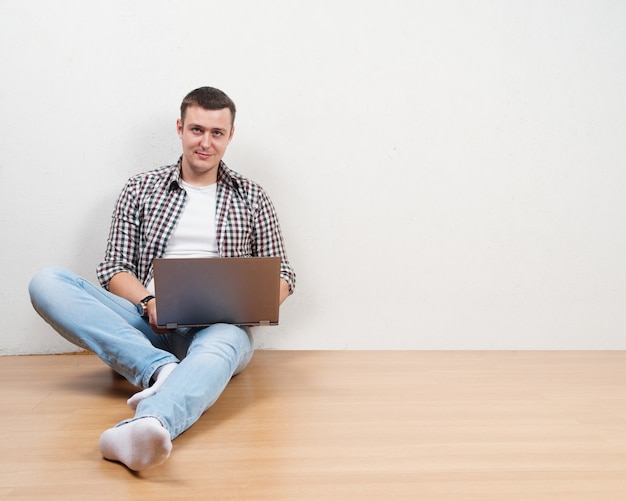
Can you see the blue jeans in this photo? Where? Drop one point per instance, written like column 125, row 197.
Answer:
column 92, row 318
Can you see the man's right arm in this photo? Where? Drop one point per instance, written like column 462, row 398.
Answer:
column 117, row 272
column 128, row 286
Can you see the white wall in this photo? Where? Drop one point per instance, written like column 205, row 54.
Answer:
column 448, row 174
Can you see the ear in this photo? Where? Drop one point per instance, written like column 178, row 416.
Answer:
column 179, row 128
column 232, row 133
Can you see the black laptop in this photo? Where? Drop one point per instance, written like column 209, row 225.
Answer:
column 196, row 292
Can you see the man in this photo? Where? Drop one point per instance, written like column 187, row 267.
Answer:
column 197, row 207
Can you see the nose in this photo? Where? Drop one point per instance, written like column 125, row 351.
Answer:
column 206, row 140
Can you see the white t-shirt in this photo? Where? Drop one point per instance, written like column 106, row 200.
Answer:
column 195, row 234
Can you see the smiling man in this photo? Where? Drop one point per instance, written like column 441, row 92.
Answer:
column 205, row 135
column 197, row 207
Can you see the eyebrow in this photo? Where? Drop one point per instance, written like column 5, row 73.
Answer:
column 198, row 126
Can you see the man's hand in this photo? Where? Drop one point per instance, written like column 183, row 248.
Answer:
column 129, row 287
column 284, row 291
column 152, row 317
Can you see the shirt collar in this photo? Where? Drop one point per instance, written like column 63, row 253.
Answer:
column 225, row 176
column 175, row 176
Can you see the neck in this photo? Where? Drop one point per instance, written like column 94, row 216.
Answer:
column 195, row 178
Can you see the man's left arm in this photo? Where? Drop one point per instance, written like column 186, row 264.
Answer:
column 270, row 243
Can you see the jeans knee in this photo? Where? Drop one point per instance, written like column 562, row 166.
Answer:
column 222, row 337
column 45, row 282
column 233, row 334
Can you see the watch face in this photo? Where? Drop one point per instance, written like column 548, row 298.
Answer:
column 140, row 309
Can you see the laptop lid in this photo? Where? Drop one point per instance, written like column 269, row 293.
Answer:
column 195, row 292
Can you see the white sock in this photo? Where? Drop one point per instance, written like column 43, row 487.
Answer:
column 139, row 444
column 163, row 374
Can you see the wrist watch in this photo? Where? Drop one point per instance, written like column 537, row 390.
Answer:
column 142, row 306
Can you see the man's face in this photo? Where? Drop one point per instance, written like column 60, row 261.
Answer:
column 204, row 134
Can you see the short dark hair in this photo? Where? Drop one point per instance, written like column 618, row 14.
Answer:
column 208, row 98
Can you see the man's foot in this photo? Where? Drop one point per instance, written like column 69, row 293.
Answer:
column 163, row 374
column 140, row 444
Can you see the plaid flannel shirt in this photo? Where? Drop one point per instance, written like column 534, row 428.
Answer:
column 150, row 206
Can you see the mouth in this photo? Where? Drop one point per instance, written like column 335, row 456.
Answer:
column 204, row 155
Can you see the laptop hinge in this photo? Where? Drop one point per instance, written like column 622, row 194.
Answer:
column 172, row 325
column 264, row 323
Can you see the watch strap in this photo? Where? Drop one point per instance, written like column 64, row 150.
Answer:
column 143, row 304
column 146, row 299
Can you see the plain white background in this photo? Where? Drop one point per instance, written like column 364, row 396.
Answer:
column 448, row 174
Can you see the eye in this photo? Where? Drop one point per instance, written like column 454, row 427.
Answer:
column 196, row 130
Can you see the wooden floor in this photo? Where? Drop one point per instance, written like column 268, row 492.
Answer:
column 335, row 425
